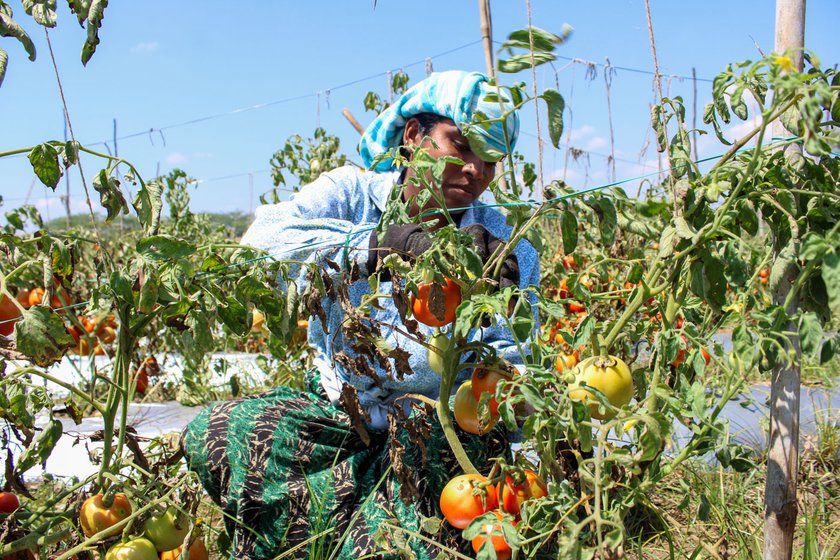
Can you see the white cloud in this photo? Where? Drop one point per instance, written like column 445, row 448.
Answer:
column 148, row 47
column 176, row 158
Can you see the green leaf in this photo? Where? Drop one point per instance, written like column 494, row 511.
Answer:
column 658, row 127
column 667, row 242
column 715, row 281
column 42, row 11
column 110, row 195
column 94, row 22
column 520, row 62
column 827, row 352
column 743, row 344
column 81, row 8
column 235, row 317
column 148, row 204
column 810, row 334
column 739, row 107
column 42, row 336
column 569, row 231
column 556, row 105
column 10, row 28
column 149, row 292
column 682, row 228
column 583, row 332
column 831, row 277
column 165, row 247
column 4, row 62
column 41, row 447
column 44, row 160
column 747, row 216
column 543, row 40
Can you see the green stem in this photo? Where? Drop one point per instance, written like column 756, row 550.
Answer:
column 445, row 418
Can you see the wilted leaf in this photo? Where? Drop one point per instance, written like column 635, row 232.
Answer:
column 42, row 336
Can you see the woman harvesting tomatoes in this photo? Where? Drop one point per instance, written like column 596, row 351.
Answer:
column 283, row 463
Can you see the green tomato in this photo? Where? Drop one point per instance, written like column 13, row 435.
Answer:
column 166, row 531
column 136, row 549
column 440, row 346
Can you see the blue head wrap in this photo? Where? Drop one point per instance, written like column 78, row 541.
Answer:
column 456, row 95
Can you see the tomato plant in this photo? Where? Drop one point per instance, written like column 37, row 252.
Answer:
column 462, row 499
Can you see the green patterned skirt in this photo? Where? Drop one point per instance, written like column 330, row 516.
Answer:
column 294, row 478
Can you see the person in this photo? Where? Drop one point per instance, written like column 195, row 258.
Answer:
column 289, row 468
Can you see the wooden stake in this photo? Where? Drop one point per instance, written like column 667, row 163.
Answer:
column 783, row 446
column 487, row 36
column 352, row 120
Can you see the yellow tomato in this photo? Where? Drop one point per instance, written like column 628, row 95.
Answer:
column 609, row 375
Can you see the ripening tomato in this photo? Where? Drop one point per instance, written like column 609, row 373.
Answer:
column 94, row 516
column 493, row 531
column 466, row 411
column 563, row 292
column 197, row 552
column 565, row 361
column 9, row 314
column 135, row 549
column 568, row 262
column 9, row 502
column 458, row 503
column 168, row 530
column 142, row 381
column 451, row 301
column 575, row 307
column 512, row 495
column 485, row 381
column 59, row 299
column 609, row 375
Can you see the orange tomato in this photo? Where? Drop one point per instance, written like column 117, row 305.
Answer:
column 451, row 301
column 493, row 532
column 512, row 495
column 575, row 307
column 565, row 361
column 197, row 552
column 59, row 299
column 95, row 517
column 484, row 381
column 459, row 504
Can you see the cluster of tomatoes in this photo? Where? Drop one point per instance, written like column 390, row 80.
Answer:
column 160, row 537
column 26, row 298
column 468, row 496
column 95, row 332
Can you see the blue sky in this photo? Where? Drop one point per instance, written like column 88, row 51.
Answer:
column 221, row 86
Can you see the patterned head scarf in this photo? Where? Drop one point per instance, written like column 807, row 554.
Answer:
column 456, row 95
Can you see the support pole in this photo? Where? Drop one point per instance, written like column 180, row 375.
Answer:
column 783, row 446
column 487, row 35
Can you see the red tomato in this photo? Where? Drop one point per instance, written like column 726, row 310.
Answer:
column 575, row 307
column 458, row 504
column 142, row 381
column 8, row 316
column 514, row 495
column 9, row 502
column 451, row 301
column 493, row 531
column 484, row 381
column 23, row 298
column 563, row 292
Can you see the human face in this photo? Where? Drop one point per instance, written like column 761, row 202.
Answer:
column 460, row 185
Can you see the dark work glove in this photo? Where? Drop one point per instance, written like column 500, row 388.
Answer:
column 485, row 245
column 407, row 240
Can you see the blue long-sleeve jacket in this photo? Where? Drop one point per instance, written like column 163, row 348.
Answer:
column 333, row 217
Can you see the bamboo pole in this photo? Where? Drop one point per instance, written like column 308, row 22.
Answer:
column 352, row 120
column 487, row 35
column 783, row 446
